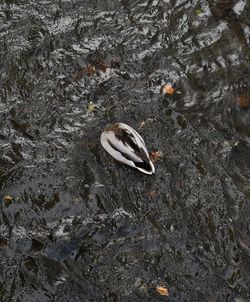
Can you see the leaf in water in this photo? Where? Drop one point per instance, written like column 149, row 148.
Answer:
column 102, row 66
column 90, row 70
column 163, row 291
column 152, row 194
column 167, row 89
column 142, row 124
column 198, row 11
column 8, row 198
column 154, row 156
column 91, row 107
column 244, row 101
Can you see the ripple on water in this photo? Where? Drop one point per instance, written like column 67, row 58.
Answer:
column 80, row 227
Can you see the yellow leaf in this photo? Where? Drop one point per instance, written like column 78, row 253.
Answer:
column 91, row 107
column 163, row 291
column 142, row 124
column 8, row 198
column 198, row 11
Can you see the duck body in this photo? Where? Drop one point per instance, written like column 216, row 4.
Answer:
column 126, row 145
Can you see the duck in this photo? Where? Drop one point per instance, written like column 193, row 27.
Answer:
column 126, row 145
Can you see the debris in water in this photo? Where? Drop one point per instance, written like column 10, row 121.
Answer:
column 154, row 156
column 142, row 124
column 3, row 243
column 152, row 194
column 91, row 107
column 102, row 66
column 244, row 101
column 79, row 74
column 181, row 121
column 167, row 89
column 90, row 70
column 8, row 198
column 198, row 11
column 200, row 166
column 163, row 291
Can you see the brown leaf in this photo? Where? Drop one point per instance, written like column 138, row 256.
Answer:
column 244, row 101
column 102, row 66
column 90, row 70
column 152, row 194
column 154, row 156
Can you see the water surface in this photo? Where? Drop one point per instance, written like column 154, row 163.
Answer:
column 79, row 226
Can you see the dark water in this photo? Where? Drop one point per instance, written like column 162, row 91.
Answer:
column 77, row 226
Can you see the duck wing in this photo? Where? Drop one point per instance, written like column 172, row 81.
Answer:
column 125, row 147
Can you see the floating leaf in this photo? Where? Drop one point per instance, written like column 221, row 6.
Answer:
column 142, row 124
column 102, row 66
column 152, row 194
column 168, row 89
column 163, row 291
column 154, row 156
column 91, row 107
column 90, row 70
column 198, row 11
column 244, row 101
column 8, row 198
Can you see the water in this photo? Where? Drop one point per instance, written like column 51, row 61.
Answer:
column 79, row 227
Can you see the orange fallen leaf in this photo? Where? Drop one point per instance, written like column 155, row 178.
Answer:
column 168, row 89
column 8, row 198
column 163, row 291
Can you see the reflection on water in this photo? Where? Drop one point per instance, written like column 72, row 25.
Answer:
column 75, row 226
